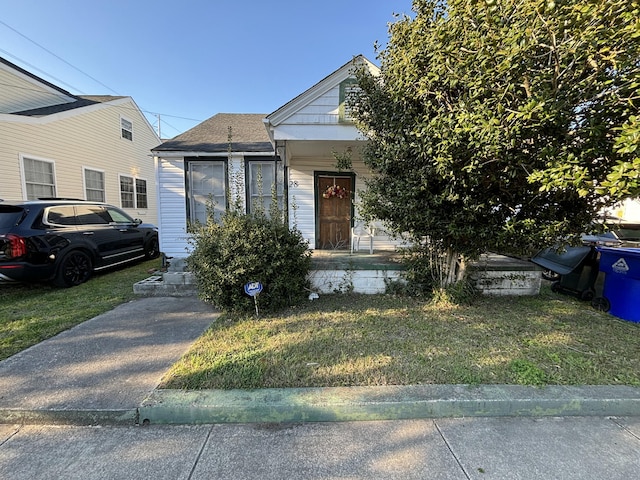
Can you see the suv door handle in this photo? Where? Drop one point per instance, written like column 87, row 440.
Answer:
column 87, row 233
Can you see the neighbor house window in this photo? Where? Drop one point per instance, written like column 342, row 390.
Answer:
column 94, row 185
column 263, row 175
column 133, row 192
column 347, row 89
column 127, row 128
column 39, row 178
column 141, row 193
column 206, row 187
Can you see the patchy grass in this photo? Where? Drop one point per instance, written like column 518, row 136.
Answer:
column 343, row 340
column 32, row 313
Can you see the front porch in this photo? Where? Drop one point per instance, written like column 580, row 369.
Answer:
column 339, row 271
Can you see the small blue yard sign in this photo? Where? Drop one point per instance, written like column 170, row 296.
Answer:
column 253, row 288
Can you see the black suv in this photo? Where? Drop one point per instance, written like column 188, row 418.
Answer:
column 65, row 241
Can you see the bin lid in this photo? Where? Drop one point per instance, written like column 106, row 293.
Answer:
column 562, row 262
column 620, row 261
column 621, row 251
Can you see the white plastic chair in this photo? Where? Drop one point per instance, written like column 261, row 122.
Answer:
column 358, row 231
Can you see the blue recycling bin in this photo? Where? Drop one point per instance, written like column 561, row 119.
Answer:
column 622, row 281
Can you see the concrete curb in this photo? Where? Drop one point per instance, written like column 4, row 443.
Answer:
column 341, row 404
column 385, row 403
column 126, row 417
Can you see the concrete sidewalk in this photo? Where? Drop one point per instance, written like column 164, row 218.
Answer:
column 511, row 448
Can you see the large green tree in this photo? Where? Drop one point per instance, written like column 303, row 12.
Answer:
column 503, row 124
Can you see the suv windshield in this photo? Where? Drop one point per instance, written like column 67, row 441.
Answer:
column 10, row 216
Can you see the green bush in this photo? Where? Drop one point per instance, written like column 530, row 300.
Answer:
column 242, row 248
column 422, row 276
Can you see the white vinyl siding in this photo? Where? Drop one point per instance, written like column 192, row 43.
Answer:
column 172, row 208
column 39, row 178
column 94, row 185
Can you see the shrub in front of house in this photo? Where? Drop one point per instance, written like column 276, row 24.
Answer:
column 242, row 248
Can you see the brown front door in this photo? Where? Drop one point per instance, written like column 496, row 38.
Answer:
column 334, row 212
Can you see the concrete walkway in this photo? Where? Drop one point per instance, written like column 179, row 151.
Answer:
column 101, row 370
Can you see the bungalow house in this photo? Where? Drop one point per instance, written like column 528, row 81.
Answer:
column 296, row 147
column 56, row 144
column 300, row 149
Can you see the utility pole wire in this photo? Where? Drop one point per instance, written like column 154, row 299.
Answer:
column 58, row 57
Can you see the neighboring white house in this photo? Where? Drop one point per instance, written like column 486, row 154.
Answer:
column 56, row 144
column 294, row 146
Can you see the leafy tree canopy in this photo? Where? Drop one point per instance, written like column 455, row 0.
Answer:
column 503, row 124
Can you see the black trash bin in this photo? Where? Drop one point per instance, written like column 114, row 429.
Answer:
column 578, row 269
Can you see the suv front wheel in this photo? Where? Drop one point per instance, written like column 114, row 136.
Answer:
column 152, row 249
column 75, row 268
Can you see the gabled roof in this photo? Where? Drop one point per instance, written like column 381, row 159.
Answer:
column 82, row 101
column 319, row 89
column 34, row 77
column 248, row 134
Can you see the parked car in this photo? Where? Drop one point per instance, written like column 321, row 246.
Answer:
column 66, row 241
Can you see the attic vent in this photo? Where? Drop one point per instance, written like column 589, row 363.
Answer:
column 348, row 88
column 127, row 128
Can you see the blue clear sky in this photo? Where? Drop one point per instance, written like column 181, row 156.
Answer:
column 195, row 58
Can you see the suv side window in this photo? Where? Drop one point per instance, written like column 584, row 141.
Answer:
column 119, row 216
column 92, row 215
column 61, row 215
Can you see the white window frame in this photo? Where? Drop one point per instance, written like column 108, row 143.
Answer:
column 86, row 188
column 23, row 174
column 347, row 87
column 124, row 128
column 278, row 177
column 135, row 191
column 196, row 199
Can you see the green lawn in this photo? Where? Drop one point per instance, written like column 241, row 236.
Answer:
column 32, row 313
column 343, row 340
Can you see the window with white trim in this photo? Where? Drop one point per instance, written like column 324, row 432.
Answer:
column 348, row 89
column 126, row 126
column 39, row 178
column 141, row 193
column 263, row 177
column 94, row 185
column 206, row 186
column 133, row 192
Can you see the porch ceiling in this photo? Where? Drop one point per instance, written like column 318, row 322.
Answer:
column 320, row 148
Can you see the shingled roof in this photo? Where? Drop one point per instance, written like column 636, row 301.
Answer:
column 248, row 134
